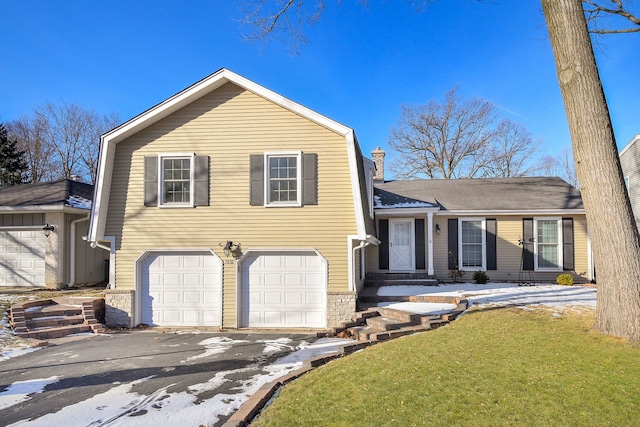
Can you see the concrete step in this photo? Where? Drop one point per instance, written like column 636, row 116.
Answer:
column 54, row 321
column 52, row 310
column 57, row 332
column 386, row 324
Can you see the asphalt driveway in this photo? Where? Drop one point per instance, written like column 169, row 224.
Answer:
column 143, row 378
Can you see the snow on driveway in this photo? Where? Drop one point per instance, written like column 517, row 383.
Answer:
column 120, row 406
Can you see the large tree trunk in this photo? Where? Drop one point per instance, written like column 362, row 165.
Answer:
column 616, row 243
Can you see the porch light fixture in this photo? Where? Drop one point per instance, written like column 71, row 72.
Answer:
column 47, row 229
column 437, row 228
column 231, row 248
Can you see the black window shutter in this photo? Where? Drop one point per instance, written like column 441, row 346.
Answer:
column 454, row 262
column 568, row 253
column 528, row 243
column 151, row 181
column 420, row 244
column 256, row 175
column 492, row 232
column 201, row 190
column 383, row 248
column 309, row 179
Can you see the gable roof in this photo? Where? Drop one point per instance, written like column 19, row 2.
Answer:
column 109, row 140
column 630, row 144
column 55, row 194
column 484, row 194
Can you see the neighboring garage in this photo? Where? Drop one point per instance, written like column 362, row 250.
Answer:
column 181, row 289
column 283, row 289
column 22, row 255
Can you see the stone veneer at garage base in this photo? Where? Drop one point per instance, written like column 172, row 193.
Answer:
column 119, row 304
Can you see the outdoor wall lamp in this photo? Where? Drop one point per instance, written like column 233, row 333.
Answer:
column 48, row 229
column 437, row 228
column 231, row 248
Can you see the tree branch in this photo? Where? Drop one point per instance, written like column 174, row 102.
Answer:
column 596, row 12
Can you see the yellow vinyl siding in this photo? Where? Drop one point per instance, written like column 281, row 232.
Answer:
column 508, row 250
column 229, row 125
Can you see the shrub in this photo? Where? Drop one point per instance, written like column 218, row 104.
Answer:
column 565, row 279
column 480, row 277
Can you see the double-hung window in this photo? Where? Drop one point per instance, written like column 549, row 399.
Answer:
column 472, row 244
column 548, row 244
column 282, row 179
column 176, row 180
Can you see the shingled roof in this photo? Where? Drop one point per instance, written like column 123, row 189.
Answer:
column 64, row 192
column 486, row 194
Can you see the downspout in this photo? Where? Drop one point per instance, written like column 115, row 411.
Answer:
column 72, row 251
column 362, row 245
column 112, row 257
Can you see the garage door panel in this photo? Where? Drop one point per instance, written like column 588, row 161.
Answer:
column 294, row 298
column 283, row 289
column 22, row 258
column 271, row 298
column 313, row 298
column 181, row 289
column 191, row 297
column 294, row 280
column 210, row 297
column 192, row 279
column 273, row 318
column 295, row 317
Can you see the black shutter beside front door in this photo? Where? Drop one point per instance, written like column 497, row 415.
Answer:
column 383, row 248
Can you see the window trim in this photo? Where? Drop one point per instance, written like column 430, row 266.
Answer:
column 560, row 243
column 484, row 244
column 298, row 156
column 167, row 156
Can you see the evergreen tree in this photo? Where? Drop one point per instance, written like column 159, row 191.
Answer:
column 13, row 166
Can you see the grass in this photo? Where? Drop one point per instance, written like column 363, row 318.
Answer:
column 488, row 368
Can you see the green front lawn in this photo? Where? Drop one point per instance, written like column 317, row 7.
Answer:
column 488, row 368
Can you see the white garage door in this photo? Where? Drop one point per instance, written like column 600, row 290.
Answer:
column 284, row 290
column 22, row 258
column 181, row 289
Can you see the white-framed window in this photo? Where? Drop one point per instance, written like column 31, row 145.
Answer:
column 283, row 179
column 472, row 244
column 176, row 180
column 548, row 244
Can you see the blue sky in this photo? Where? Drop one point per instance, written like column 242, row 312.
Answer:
column 360, row 66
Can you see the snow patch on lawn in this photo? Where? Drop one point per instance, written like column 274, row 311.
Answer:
column 555, row 297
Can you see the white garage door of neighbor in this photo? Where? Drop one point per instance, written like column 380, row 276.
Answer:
column 284, row 290
column 22, row 258
column 181, row 289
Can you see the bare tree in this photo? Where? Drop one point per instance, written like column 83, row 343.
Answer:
column 69, row 131
column 561, row 166
column 616, row 242
column 61, row 141
column 511, row 152
column 460, row 138
column 599, row 13
column 615, row 237
column 89, row 156
column 30, row 131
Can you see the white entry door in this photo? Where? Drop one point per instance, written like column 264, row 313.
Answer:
column 401, row 244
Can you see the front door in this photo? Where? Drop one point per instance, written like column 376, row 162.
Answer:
column 401, row 245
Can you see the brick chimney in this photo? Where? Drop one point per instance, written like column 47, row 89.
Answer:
column 378, row 159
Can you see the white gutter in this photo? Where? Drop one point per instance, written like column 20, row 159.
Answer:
column 112, row 257
column 72, row 251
